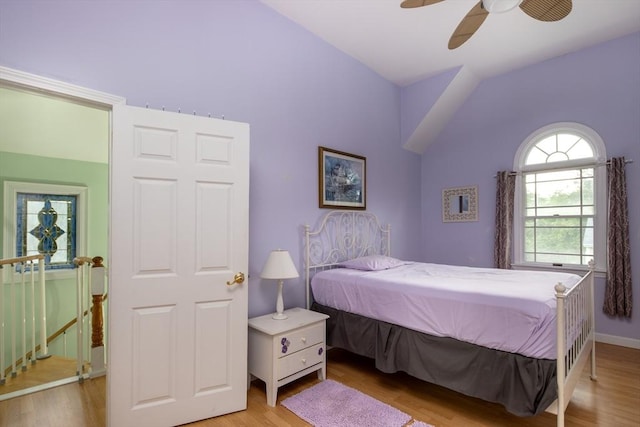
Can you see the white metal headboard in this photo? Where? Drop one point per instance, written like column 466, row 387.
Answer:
column 343, row 235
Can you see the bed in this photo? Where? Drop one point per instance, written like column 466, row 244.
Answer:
column 527, row 353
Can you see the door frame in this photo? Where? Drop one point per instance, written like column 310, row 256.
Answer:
column 16, row 79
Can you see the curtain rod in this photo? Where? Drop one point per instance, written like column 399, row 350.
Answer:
column 626, row 161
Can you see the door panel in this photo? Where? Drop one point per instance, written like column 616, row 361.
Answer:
column 179, row 227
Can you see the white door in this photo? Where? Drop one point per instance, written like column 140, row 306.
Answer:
column 179, row 199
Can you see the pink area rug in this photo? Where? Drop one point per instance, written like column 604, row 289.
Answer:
column 331, row 404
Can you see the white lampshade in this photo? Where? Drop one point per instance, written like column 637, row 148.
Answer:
column 279, row 266
column 499, row 6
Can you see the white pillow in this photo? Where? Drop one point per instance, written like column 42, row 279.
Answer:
column 373, row 263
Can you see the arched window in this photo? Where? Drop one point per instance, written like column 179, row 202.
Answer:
column 560, row 209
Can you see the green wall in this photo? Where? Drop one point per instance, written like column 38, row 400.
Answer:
column 27, row 168
column 94, row 176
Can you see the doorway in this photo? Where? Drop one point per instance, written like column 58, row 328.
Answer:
column 54, row 133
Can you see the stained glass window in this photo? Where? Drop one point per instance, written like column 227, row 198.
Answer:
column 46, row 224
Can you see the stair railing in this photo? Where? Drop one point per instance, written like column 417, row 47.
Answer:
column 90, row 291
column 22, row 279
column 21, row 320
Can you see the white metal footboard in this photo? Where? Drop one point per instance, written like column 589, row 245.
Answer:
column 575, row 338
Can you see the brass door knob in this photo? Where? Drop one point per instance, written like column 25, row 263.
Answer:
column 238, row 278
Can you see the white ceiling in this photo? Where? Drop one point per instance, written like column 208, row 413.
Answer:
column 407, row 45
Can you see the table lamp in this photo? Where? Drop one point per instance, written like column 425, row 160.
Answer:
column 279, row 266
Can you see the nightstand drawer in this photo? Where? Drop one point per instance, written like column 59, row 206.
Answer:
column 303, row 359
column 303, row 338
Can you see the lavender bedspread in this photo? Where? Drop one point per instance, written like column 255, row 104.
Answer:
column 507, row 310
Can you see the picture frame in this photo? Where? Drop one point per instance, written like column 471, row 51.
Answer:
column 460, row 204
column 342, row 180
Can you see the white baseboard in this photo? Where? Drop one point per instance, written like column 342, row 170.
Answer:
column 621, row 341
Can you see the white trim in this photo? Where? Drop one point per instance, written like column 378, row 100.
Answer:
column 11, row 190
column 41, row 387
column 616, row 340
column 568, row 268
column 44, row 84
column 65, row 90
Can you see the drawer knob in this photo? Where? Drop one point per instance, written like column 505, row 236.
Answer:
column 304, row 361
column 285, row 344
column 304, row 339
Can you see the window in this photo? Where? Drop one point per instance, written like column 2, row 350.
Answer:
column 46, row 219
column 46, row 224
column 560, row 217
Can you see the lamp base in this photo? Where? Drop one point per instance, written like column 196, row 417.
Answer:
column 279, row 315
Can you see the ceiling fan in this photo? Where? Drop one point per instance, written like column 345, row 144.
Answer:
column 542, row 10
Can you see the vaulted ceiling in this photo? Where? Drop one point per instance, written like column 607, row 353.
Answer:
column 407, row 45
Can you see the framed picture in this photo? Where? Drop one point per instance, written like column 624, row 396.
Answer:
column 342, row 182
column 460, row 204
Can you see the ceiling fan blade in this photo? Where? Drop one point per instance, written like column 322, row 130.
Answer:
column 407, row 4
column 546, row 10
column 468, row 26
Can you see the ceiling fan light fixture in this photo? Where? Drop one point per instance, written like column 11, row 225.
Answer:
column 500, row 6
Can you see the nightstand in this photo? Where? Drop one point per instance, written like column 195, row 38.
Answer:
column 281, row 351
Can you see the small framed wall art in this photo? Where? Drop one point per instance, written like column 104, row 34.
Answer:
column 342, row 181
column 460, row 204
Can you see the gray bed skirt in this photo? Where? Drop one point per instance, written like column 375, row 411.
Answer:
column 523, row 385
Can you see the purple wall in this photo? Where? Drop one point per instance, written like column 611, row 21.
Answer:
column 242, row 60
column 598, row 87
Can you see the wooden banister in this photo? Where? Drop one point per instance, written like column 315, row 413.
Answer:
column 8, row 261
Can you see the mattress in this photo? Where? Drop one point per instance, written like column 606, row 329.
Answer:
column 507, row 310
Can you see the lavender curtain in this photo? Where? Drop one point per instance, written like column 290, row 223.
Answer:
column 505, row 194
column 617, row 294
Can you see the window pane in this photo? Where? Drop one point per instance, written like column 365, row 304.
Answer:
column 562, row 211
column 548, row 145
column 531, row 195
column 557, row 175
column 555, row 258
column 581, row 150
column 587, row 240
column 536, row 157
column 559, row 193
column 558, row 222
column 587, row 191
column 558, row 240
column 529, row 240
column 557, row 157
column 566, row 141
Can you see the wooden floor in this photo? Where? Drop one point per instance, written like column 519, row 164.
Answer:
column 51, row 369
column 612, row 401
